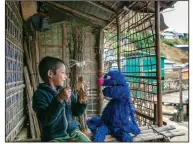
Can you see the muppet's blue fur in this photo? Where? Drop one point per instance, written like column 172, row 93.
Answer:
column 118, row 117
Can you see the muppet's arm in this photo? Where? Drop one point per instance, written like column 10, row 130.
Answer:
column 101, row 133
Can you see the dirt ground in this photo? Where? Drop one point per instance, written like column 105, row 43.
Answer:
column 174, row 54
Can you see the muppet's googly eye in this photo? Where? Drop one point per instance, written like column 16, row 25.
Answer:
column 108, row 77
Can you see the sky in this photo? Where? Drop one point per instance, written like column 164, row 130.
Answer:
column 177, row 18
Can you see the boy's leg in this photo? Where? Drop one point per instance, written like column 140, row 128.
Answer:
column 78, row 136
column 61, row 139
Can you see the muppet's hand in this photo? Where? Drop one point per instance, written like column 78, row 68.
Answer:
column 107, row 91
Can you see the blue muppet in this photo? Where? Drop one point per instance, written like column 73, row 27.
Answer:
column 118, row 117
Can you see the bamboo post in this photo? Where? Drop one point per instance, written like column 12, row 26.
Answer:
column 33, row 60
column 28, row 85
column 63, row 41
column 29, row 64
column 118, row 44
column 158, row 63
column 101, row 69
column 33, row 119
column 28, row 48
column 181, row 98
column 37, row 56
column 155, row 114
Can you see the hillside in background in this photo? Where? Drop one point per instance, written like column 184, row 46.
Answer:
column 172, row 53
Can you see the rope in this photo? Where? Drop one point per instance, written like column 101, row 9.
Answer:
column 166, row 138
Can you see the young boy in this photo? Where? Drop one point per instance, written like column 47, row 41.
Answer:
column 55, row 105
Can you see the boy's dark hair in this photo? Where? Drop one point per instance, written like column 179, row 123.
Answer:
column 48, row 63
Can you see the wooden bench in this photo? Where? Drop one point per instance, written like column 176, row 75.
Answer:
column 148, row 133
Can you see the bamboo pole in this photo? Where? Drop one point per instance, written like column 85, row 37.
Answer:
column 37, row 56
column 29, row 91
column 33, row 119
column 180, row 95
column 33, row 60
column 101, row 69
column 63, row 41
column 118, row 44
column 29, row 64
column 158, row 64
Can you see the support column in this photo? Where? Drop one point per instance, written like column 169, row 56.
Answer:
column 100, row 69
column 118, row 44
column 158, row 63
column 63, row 41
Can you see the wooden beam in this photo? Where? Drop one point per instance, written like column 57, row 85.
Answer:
column 120, row 13
column 101, row 6
column 77, row 12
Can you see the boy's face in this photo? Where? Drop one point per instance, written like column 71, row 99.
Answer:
column 59, row 77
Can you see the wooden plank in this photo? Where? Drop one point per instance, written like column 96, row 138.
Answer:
column 139, row 138
column 157, row 136
column 147, row 133
column 159, row 129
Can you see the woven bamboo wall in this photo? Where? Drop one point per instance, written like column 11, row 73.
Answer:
column 14, row 99
column 136, row 42
column 55, row 42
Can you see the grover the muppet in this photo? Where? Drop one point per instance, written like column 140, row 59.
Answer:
column 118, row 117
